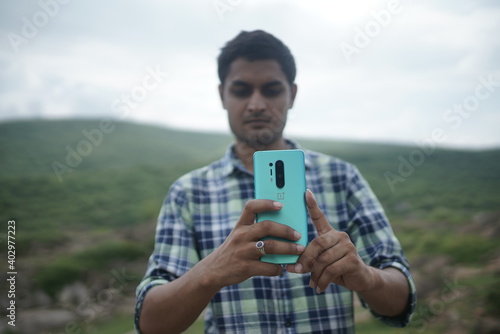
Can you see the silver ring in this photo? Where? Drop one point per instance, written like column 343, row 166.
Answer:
column 260, row 247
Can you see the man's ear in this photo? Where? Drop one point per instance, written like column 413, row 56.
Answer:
column 221, row 95
column 294, row 93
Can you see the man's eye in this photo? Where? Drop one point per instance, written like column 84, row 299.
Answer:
column 241, row 92
column 272, row 92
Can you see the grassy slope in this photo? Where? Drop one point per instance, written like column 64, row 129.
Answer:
column 144, row 160
column 30, row 147
column 121, row 183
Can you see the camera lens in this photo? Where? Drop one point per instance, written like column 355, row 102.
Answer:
column 280, row 174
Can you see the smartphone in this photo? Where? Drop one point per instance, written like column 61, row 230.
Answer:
column 280, row 176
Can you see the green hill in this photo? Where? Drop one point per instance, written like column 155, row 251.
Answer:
column 53, row 177
column 60, row 167
column 31, row 147
column 86, row 195
column 82, row 173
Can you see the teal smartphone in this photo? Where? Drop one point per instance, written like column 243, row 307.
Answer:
column 280, row 176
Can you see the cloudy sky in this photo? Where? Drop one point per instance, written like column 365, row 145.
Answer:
column 386, row 71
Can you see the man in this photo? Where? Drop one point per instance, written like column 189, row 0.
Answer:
column 205, row 251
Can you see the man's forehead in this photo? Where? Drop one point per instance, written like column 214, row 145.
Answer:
column 257, row 71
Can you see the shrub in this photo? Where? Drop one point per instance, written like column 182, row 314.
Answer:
column 69, row 268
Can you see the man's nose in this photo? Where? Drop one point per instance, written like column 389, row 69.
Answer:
column 256, row 103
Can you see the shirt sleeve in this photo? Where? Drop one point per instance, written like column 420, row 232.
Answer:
column 174, row 252
column 375, row 241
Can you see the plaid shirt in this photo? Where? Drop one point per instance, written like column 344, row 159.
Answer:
column 202, row 208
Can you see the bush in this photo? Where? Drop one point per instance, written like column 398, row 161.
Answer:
column 69, row 268
column 57, row 274
column 493, row 298
column 468, row 249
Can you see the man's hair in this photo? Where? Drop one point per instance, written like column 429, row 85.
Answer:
column 256, row 45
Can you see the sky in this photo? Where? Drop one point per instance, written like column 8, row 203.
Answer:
column 409, row 72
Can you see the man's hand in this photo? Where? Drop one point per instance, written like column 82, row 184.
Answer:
column 237, row 259
column 176, row 305
column 331, row 257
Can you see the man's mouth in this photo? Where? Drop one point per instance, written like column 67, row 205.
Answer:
column 258, row 121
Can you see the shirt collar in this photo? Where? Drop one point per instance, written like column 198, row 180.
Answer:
column 230, row 163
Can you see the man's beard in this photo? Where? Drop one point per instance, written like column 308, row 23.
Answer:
column 262, row 138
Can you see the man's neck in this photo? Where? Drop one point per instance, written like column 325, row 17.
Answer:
column 245, row 152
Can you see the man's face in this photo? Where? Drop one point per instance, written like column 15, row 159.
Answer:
column 257, row 96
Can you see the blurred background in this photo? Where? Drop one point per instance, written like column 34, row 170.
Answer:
column 103, row 105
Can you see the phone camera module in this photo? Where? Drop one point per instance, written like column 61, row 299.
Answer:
column 280, row 174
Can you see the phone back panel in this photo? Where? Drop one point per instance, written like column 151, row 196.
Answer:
column 291, row 194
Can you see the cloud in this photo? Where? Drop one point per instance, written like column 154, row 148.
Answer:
column 429, row 57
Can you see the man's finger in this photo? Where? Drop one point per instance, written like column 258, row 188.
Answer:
column 254, row 206
column 266, row 269
column 267, row 228
column 272, row 246
column 316, row 247
column 325, row 260
column 317, row 216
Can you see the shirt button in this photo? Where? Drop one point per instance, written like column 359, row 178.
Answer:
column 288, row 324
